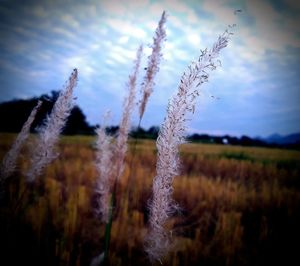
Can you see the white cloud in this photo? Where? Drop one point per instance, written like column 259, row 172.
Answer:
column 220, row 11
column 176, row 22
column 135, row 5
column 156, row 8
column 271, row 31
column 64, row 32
column 113, row 7
column 83, row 64
column 70, row 20
column 38, row 73
column 194, row 39
column 107, row 34
column 118, row 58
column 126, row 53
column 151, row 25
column 178, row 6
column 192, row 18
column 125, row 28
column 110, row 62
column 123, row 40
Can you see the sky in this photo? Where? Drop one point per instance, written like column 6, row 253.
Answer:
column 255, row 92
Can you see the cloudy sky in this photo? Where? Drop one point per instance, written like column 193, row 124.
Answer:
column 255, row 92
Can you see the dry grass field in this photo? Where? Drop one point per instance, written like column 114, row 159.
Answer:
column 239, row 206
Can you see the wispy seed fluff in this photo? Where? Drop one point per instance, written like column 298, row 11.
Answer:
column 128, row 107
column 104, row 168
column 153, row 64
column 171, row 135
column 43, row 151
column 9, row 161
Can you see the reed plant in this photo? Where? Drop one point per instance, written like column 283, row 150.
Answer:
column 111, row 152
column 43, row 151
column 9, row 161
column 147, row 87
column 111, row 156
column 171, row 136
column 104, row 166
column 153, row 65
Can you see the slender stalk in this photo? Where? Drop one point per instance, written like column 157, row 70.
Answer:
column 171, row 136
column 108, row 226
column 130, row 188
column 43, row 152
column 120, row 148
column 148, row 85
column 8, row 165
column 104, row 166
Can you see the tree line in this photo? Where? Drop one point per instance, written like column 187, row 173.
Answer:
column 14, row 113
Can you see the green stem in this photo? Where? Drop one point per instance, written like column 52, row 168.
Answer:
column 109, row 224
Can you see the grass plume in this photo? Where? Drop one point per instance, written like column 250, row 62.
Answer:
column 153, row 64
column 114, row 157
column 103, row 165
column 171, row 136
column 128, row 107
column 43, row 152
column 9, row 161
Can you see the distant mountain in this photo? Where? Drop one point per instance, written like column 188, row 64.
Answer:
column 283, row 140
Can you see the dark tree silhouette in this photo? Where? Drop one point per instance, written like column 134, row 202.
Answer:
column 14, row 113
column 77, row 124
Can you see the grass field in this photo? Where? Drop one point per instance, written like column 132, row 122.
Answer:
column 240, row 206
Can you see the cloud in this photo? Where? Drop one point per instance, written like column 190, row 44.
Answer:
column 114, row 7
column 123, row 40
column 64, row 32
column 43, row 41
column 70, row 21
column 194, row 39
column 124, row 27
column 220, row 10
column 273, row 30
column 39, row 11
column 293, row 4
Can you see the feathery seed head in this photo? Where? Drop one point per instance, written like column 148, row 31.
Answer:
column 103, row 164
column 171, row 135
column 110, row 155
column 9, row 161
column 128, row 106
column 153, row 64
column 43, row 152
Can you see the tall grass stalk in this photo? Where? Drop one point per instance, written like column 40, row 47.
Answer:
column 171, row 136
column 125, row 124
column 153, row 64
column 8, row 165
column 104, row 165
column 43, row 152
column 120, row 148
column 148, row 83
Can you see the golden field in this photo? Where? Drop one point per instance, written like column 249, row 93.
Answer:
column 239, row 206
